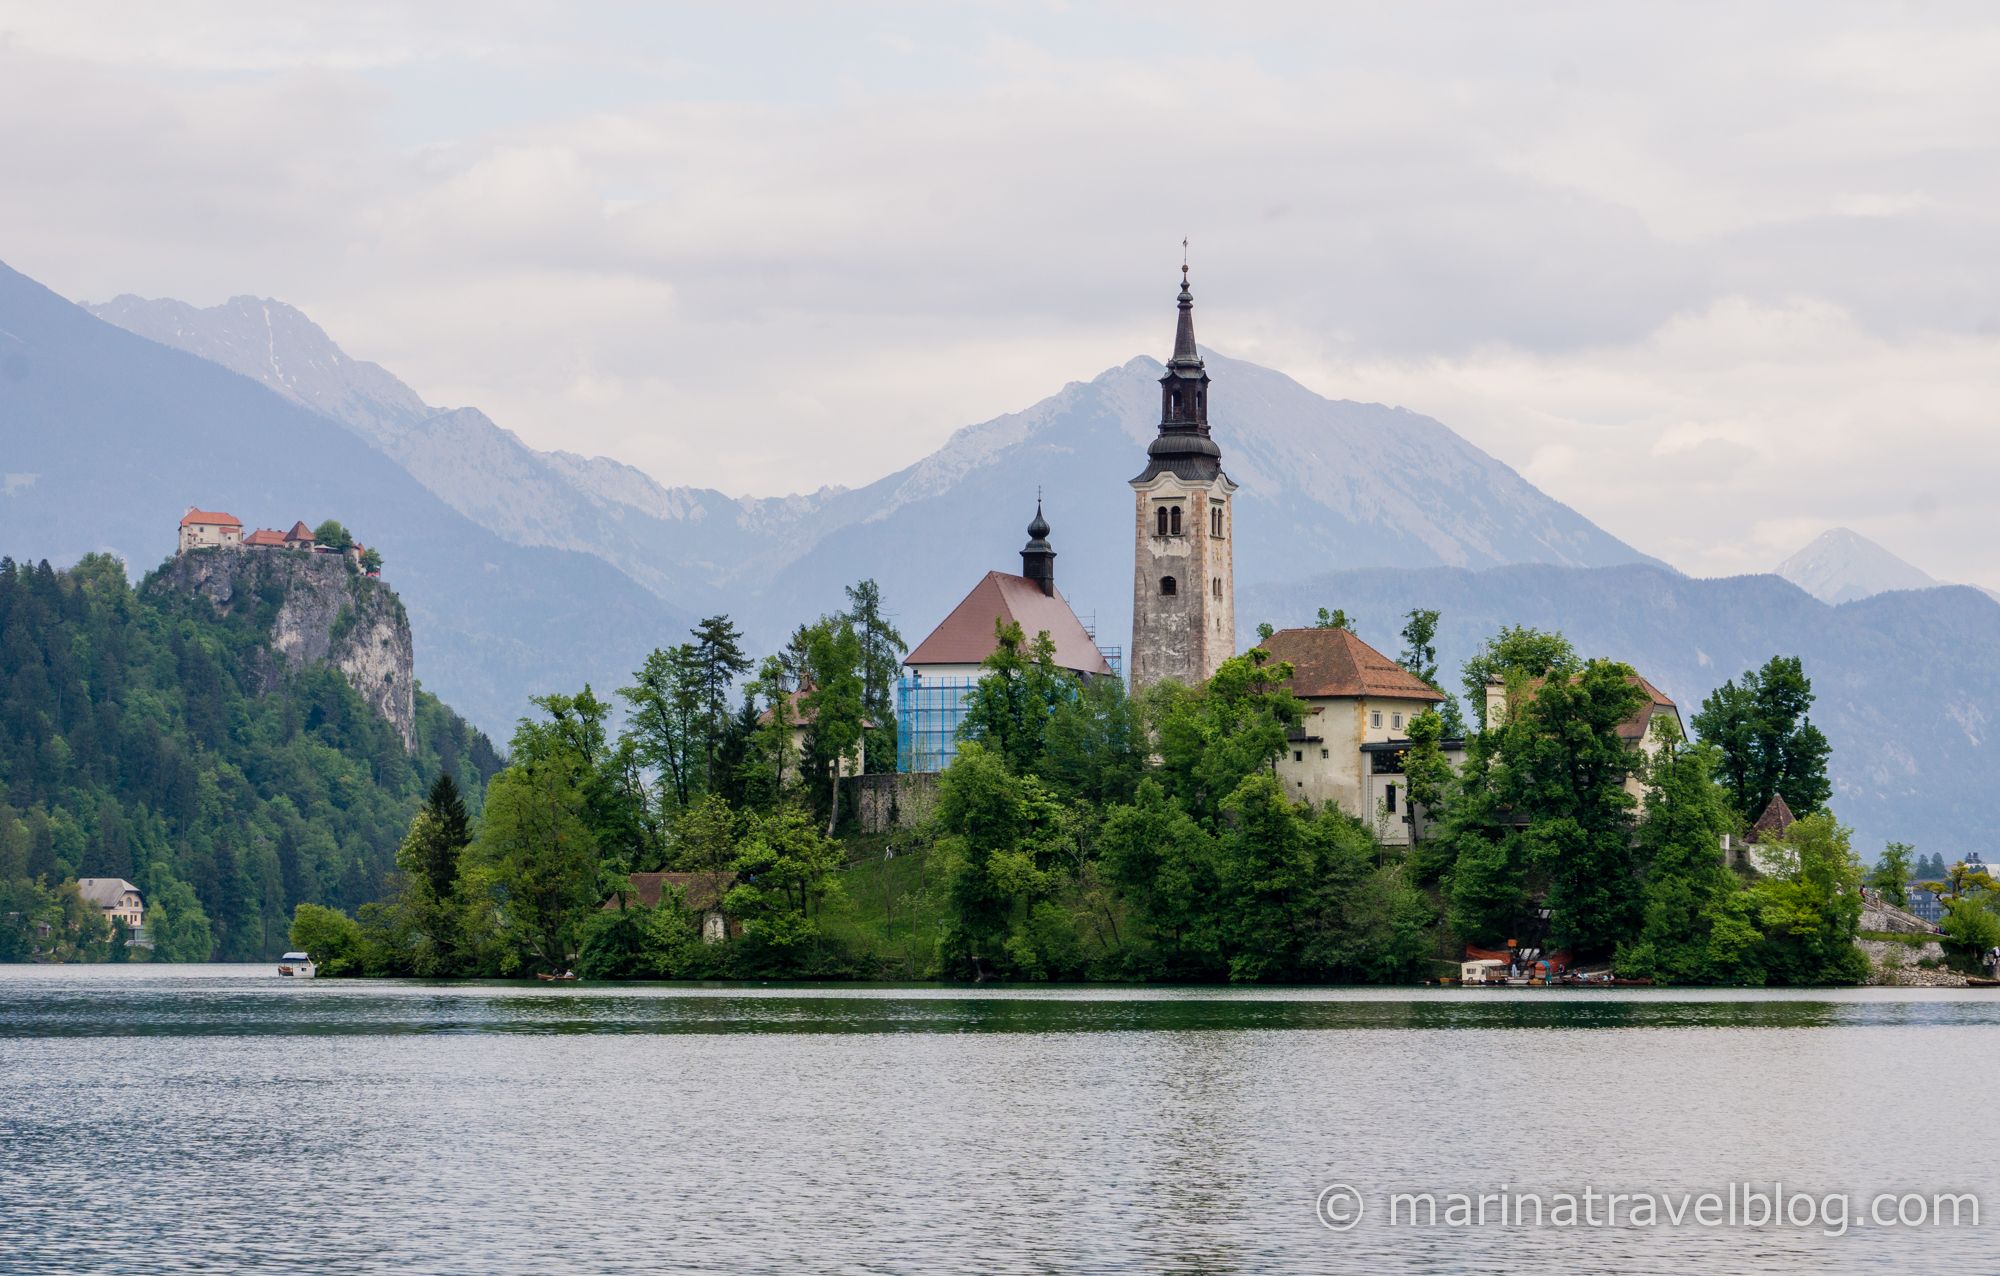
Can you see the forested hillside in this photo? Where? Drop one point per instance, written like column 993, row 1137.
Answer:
column 143, row 736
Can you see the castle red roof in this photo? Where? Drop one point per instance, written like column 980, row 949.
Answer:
column 966, row 636
column 211, row 518
column 299, row 532
column 1335, row 662
column 265, row 536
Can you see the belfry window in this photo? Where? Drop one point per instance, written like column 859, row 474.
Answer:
column 1167, row 586
column 1215, row 520
column 1162, row 520
column 1174, row 521
column 1215, row 588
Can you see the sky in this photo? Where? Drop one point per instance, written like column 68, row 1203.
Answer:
column 1720, row 276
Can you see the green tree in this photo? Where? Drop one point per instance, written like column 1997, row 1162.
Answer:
column 669, row 724
column 1809, row 907
column 835, row 706
column 333, row 536
column 1335, row 619
column 178, row 925
column 1680, row 840
column 330, row 937
column 703, row 836
column 1891, row 878
column 1092, row 745
column 1211, row 738
column 1009, row 709
column 371, row 561
column 1769, row 744
column 1003, row 837
column 882, row 649
column 1430, row 781
column 786, row 881
column 537, row 851
column 1267, row 871
column 1971, row 927
column 1516, row 656
column 429, row 860
column 632, row 941
column 1540, row 805
column 719, row 661
column 1420, row 658
column 1164, row 864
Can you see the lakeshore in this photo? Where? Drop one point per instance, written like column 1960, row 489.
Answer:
column 399, row 1124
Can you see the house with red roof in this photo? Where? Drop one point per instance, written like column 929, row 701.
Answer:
column 934, row 693
column 1656, row 721
column 209, row 529
column 800, row 715
column 1350, row 747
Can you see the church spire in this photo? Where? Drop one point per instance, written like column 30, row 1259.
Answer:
column 1184, row 351
column 1183, row 445
column 1038, row 557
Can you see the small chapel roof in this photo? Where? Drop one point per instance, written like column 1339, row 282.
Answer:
column 966, row 636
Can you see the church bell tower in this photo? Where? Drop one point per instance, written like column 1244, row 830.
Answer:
column 1183, row 577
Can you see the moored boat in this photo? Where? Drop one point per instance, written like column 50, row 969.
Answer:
column 297, row 966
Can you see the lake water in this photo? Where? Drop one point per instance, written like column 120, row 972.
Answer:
column 223, row 1119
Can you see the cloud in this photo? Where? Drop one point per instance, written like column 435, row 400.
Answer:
column 1716, row 282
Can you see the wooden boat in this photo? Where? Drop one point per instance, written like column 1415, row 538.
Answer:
column 1971, row 982
column 549, row 978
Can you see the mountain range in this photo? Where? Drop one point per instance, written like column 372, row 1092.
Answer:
column 531, row 570
column 109, row 437
column 930, row 530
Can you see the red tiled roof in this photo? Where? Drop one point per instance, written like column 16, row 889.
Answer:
column 1635, row 727
column 299, row 532
column 265, row 536
column 1334, row 662
column 798, row 713
column 210, row 517
column 966, row 637
column 1775, row 822
column 700, row 891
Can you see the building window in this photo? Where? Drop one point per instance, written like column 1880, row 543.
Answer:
column 1167, row 586
column 1298, row 755
column 1374, row 717
column 1161, row 521
column 1215, row 520
column 1396, row 721
column 1391, row 802
column 1174, row 521
column 1324, row 755
column 1215, row 587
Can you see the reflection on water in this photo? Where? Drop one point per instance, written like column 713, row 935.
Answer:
column 220, row 1118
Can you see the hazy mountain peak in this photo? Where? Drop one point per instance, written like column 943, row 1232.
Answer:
column 278, row 345
column 1841, row 565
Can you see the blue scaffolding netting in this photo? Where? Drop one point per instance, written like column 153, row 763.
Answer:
column 929, row 712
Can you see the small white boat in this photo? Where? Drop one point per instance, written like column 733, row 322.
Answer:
column 296, row 966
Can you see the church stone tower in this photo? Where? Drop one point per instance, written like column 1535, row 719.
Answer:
column 1183, row 580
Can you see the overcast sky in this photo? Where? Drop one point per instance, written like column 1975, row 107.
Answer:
column 1718, row 276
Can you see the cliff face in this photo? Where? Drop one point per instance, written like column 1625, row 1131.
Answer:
column 327, row 613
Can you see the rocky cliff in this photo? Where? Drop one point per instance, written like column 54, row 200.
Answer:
column 322, row 611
